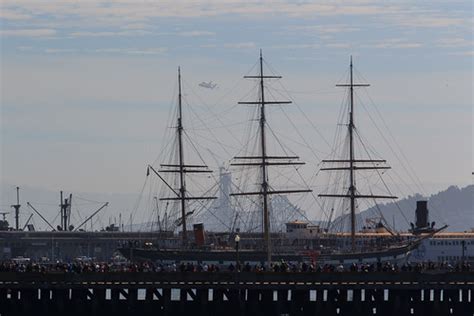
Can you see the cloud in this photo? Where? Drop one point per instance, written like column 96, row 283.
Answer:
column 208, row 46
column 131, row 51
column 435, row 21
column 197, row 33
column 325, row 29
column 465, row 53
column 110, row 34
column 60, row 50
column 242, row 45
column 135, row 26
column 338, row 45
column 395, row 43
column 24, row 48
column 130, row 15
column 296, row 46
column 453, row 42
column 140, row 11
column 8, row 14
column 28, row 33
column 112, row 50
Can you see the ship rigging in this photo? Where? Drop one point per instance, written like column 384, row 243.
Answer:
column 181, row 169
column 263, row 161
column 351, row 168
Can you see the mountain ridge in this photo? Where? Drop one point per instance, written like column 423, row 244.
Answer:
column 453, row 206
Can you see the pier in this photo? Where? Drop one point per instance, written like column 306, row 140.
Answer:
column 237, row 293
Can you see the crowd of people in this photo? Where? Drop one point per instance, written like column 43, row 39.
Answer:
column 127, row 267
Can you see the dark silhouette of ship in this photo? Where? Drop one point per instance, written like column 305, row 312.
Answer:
column 324, row 247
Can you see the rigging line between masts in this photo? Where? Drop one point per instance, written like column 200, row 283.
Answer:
column 352, row 194
column 264, row 160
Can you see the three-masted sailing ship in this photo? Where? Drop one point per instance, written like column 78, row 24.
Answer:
column 266, row 250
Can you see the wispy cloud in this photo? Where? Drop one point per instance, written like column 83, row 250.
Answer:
column 8, row 14
column 121, row 11
column 28, row 33
column 338, row 45
column 208, row 46
column 25, row 48
column 395, row 43
column 60, row 50
column 142, row 10
column 296, row 46
column 429, row 21
column 135, row 26
column 242, row 45
column 197, row 33
column 463, row 53
column 110, row 33
column 453, row 42
column 325, row 29
column 131, row 51
column 112, row 50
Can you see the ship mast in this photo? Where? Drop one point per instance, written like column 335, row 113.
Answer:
column 182, row 188
column 351, row 159
column 266, row 220
column 182, row 169
column 352, row 192
column 264, row 160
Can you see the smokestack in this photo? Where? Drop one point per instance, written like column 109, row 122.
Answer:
column 421, row 214
column 199, row 234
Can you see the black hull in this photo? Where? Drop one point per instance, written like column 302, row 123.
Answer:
column 220, row 256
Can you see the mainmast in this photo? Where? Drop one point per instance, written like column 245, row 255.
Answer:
column 352, row 192
column 351, row 159
column 264, row 160
column 182, row 169
column 262, row 121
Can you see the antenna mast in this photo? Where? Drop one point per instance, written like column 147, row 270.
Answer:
column 264, row 161
column 352, row 193
column 17, row 209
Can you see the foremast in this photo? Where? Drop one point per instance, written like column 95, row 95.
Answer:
column 181, row 168
column 264, row 160
column 352, row 193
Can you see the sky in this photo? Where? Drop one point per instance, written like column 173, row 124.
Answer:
column 87, row 87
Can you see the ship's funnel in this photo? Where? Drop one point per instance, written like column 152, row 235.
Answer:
column 421, row 214
column 199, row 234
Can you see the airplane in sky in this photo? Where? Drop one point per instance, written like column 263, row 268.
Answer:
column 208, row 85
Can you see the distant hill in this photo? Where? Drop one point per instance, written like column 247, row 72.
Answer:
column 453, row 206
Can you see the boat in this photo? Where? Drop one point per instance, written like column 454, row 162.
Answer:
column 271, row 247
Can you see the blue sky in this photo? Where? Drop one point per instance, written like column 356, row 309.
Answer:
column 86, row 86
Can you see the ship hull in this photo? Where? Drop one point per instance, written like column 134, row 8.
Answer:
column 393, row 254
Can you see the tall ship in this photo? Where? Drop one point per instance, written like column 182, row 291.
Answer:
column 323, row 245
